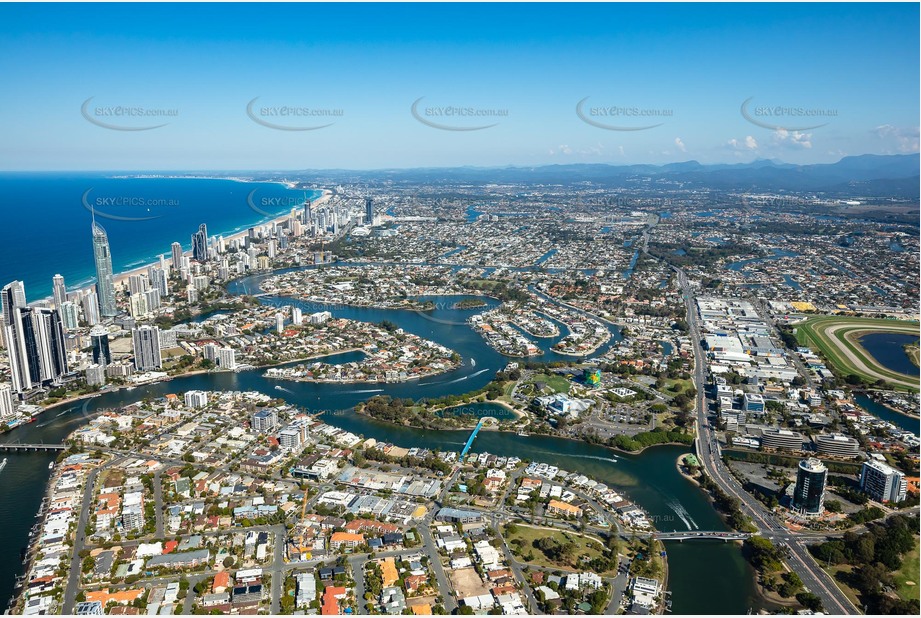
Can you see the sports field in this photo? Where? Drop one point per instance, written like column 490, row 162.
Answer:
column 837, row 339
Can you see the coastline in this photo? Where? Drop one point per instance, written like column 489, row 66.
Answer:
column 121, row 278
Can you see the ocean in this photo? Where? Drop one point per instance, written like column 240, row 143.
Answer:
column 47, row 220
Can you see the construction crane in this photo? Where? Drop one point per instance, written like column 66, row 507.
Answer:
column 303, row 550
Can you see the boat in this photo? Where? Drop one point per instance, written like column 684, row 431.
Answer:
column 50, row 465
column 473, row 362
column 523, row 434
column 33, row 419
column 3, row 463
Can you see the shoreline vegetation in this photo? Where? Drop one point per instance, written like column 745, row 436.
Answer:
column 912, row 351
column 870, row 394
column 470, row 303
column 423, row 414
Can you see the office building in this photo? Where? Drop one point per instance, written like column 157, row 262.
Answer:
column 196, row 399
column 177, row 255
column 265, row 420
column 753, row 402
column 809, row 492
column 837, row 444
column 200, row 282
column 95, row 375
column 99, row 337
column 105, row 284
column 90, row 304
column 227, row 358
column 782, row 439
column 159, row 280
column 6, row 401
column 60, row 291
column 369, row 211
column 146, row 341
column 69, row 315
column 138, row 283
column 882, row 482
column 13, row 296
column 200, row 244
column 36, row 346
column 289, row 438
column 137, row 305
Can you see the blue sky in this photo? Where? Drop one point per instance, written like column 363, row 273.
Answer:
column 853, row 68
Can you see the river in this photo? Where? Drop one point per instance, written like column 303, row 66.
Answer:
column 704, row 576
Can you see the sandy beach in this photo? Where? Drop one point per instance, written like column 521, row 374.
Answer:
column 121, row 279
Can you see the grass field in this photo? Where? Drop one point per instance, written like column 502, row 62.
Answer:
column 836, row 338
column 558, row 384
column 673, row 386
column 909, row 573
column 526, row 551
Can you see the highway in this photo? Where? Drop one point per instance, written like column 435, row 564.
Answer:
column 815, row 579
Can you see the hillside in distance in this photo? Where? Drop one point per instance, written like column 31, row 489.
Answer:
column 895, row 176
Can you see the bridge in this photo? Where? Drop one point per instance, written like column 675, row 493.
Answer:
column 691, row 535
column 11, row 447
column 470, row 440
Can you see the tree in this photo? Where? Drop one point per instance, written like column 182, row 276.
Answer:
column 809, row 601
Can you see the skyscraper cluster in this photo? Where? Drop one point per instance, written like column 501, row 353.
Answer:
column 34, row 338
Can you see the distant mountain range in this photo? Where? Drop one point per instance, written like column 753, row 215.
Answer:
column 859, row 176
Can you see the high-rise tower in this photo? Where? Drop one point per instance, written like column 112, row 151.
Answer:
column 105, row 285
column 60, row 291
column 200, row 244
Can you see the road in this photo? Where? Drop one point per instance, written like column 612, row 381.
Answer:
column 278, row 567
column 357, row 564
column 158, row 503
column 74, row 574
column 516, row 569
column 189, row 600
column 818, row 582
column 428, row 544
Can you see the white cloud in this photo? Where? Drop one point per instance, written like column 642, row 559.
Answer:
column 904, row 139
column 792, row 139
column 680, row 145
column 749, row 143
column 586, row 152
